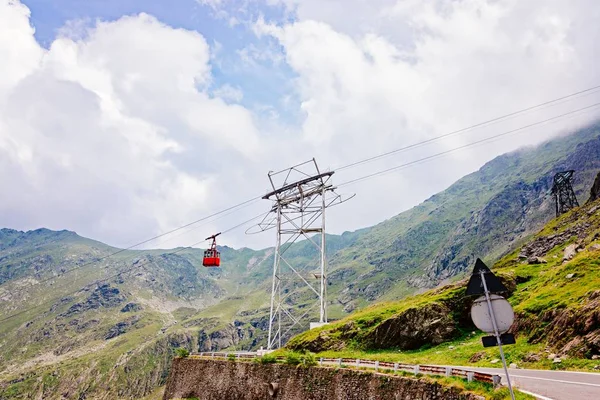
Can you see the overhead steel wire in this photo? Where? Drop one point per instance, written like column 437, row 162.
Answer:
column 490, row 138
column 587, row 91
column 363, row 161
column 78, row 267
column 121, row 272
column 359, row 162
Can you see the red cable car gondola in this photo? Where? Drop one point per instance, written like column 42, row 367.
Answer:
column 212, row 257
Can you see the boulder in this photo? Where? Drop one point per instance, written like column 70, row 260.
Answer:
column 415, row 327
column 536, row 260
column 594, row 247
column 532, row 357
column 570, row 252
column 595, row 191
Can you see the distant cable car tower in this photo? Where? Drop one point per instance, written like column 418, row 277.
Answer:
column 563, row 192
column 300, row 196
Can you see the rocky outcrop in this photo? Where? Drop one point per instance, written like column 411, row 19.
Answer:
column 573, row 331
column 131, row 307
column 415, row 327
column 543, row 244
column 232, row 335
column 121, row 327
column 595, row 191
column 226, row 380
column 426, row 323
column 102, row 296
column 577, row 332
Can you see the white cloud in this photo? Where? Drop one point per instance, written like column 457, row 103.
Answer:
column 119, row 130
column 19, row 52
column 98, row 133
column 373, row 76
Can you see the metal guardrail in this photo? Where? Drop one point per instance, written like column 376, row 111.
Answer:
column 378, row 366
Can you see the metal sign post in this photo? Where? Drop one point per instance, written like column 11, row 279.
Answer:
column 496, row 332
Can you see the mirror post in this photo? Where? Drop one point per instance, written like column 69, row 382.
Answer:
column 496, row 332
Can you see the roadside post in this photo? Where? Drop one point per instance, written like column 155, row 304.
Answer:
column 491, row 313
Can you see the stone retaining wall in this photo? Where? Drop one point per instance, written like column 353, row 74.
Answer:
column 228, row 380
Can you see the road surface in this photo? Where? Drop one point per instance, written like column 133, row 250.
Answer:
column 554, row 385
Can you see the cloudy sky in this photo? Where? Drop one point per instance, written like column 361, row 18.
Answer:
column 122, row 119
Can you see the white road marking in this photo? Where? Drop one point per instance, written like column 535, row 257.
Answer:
column 537, row 396
column 527, row 369
column 555, row 380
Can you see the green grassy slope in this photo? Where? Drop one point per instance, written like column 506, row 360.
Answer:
column 557, row 306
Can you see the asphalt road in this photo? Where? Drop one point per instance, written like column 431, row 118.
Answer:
column 554, row 385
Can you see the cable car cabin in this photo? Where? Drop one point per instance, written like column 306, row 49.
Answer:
column 212, row 257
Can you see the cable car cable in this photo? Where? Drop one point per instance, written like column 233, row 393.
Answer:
column 127, row 270
column 466, row 145
column 77, row 267
column 591, row 89
column 480, row 124
column 373, row 158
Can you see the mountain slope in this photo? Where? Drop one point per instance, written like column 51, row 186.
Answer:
column 553, row 286
column 108, row 328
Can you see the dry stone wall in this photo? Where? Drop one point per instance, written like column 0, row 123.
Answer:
column 228, row 380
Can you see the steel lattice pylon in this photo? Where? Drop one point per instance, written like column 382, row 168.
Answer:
column 563, row 192
column 300, row 196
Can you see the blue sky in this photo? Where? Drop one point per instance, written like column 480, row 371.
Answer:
column 262, row 83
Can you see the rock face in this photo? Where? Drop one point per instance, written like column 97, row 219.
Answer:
column 223, row 380
column 576, row 332
column 102, row 296
column 229, row 336
column 542, row 245
column 121, row 327
column 431, row 324
column 595, row 191
column 425, row 323
column 131, row 307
